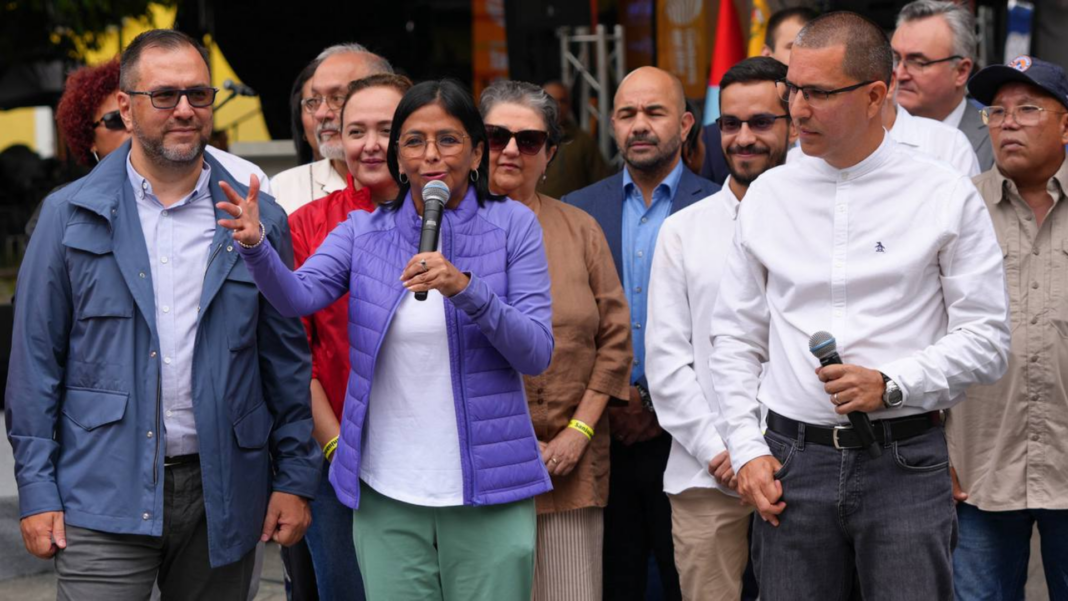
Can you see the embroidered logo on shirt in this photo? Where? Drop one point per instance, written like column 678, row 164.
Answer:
column 879, row 248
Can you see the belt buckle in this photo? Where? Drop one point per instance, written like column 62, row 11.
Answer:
column 834, row 436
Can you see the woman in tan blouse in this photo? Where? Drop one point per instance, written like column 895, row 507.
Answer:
column 591, row 360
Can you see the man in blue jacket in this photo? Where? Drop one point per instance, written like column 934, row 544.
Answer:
column 650, row 121
column 157, row 405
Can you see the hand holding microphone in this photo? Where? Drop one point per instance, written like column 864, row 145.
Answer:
column 430, row 270
column 854, row 390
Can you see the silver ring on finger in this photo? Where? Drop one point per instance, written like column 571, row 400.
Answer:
column 240, row 212
column 553, row 460
column 422, row 263
column 834, row 399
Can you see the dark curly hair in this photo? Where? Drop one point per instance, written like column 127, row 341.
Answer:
column 84, row 92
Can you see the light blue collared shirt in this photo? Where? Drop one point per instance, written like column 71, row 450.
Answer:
column 178, row 238
column 641, row 225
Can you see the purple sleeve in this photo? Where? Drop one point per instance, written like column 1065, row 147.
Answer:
column 520, row 328
column 320, row 281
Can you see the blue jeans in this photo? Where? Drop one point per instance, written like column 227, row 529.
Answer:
column 990, row 563
column 889, row 520
column 330, row 542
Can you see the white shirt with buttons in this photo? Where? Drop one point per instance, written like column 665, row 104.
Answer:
column 895, row 256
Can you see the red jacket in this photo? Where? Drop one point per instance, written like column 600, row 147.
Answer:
column 328, row 328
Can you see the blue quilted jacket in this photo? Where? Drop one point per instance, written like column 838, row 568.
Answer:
column 499, row 327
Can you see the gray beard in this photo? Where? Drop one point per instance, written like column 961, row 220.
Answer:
column 166, row 156
column 334, row 151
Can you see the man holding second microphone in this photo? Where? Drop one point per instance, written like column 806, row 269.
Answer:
column 896, row 255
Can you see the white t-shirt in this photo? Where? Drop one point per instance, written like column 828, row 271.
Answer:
column 411, row 443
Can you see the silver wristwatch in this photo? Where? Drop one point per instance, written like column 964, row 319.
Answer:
column 892, row 396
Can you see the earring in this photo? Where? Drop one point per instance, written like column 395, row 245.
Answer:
column 474, row 175
column 544, row 177
column 403, row 179
column 95, row 156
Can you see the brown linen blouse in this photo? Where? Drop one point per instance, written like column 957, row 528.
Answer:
column 592, row 351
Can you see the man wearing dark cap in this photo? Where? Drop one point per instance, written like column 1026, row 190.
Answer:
column 1009, row 442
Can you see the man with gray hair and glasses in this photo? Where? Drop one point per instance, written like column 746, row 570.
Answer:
column 934, row 51
column 338, row 65
column 906, row 272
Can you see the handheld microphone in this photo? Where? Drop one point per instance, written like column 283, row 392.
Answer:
column 825, row 348
column 238, row 88
column 435, row 195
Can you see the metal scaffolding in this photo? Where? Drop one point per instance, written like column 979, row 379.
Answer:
column 595, row 61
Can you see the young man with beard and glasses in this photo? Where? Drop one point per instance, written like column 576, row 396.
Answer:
column 337, row 67
column 157, row 405
column 894, row 254
column 934, row 50
column 710, row 527
column 1009, row 442
column 650, row 122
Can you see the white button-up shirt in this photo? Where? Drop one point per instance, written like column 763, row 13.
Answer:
column 934, row 138
column 691, row 254
column 896, row 256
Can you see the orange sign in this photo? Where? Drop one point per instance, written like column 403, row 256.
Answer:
column 490, row 44
column 683, row 31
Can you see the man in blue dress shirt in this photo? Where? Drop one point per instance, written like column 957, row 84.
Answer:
column 650, row 121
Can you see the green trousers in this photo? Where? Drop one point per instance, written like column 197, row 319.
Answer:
column 408, row 552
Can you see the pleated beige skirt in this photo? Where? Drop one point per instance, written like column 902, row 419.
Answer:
column 568, row 559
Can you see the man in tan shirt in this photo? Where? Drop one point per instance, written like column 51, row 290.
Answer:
column 1009, row 442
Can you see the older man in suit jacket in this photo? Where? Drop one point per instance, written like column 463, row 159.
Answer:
column 934, row 51
column 650, row 122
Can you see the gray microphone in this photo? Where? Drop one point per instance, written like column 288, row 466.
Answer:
column 435, row 195
column 238, row 88
column 825, row 348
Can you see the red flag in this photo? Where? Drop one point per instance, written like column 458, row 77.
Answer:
column 729, row 48
column 729, row 44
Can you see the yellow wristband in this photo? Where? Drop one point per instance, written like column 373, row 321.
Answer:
column 328, row 450
column 581, row 427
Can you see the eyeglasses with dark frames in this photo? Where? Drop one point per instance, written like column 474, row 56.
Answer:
column 112, row 120
column 729, row 124
column 813, row 95
column 528, row 141
column 199, row 97
column 918, row 65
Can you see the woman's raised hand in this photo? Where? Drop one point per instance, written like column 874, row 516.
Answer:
column 245, row 212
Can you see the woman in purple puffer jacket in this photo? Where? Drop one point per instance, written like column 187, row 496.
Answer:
column 436, row 452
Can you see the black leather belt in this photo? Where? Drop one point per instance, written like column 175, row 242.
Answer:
column 181, row 460
column 844, row 437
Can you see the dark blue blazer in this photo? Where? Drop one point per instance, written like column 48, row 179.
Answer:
column 604, row 201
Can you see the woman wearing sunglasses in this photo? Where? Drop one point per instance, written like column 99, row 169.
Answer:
column 591, row 359
column 88, row 113
column 436, row 450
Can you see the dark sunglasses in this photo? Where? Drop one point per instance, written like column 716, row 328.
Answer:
column 112, row 121
column 762, row 122
column 529, row 141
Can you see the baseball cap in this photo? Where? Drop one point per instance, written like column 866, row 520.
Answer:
column 1048, row 76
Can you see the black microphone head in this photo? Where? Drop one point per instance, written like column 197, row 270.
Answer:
column 436, row 191
column 822, row 344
